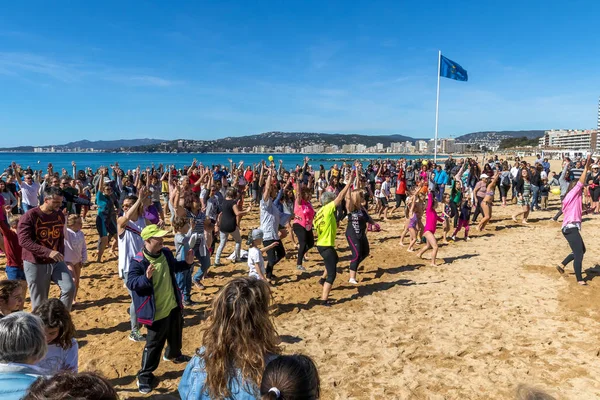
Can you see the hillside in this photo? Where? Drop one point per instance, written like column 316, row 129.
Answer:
column 90, row 144
column 499, row 135
column 292, row 139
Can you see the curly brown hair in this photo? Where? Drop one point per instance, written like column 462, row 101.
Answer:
column 239, row 335
column 54, row 314
column 7, row 287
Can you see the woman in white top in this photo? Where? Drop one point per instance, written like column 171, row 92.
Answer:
column 129, row 228
column 75, row 249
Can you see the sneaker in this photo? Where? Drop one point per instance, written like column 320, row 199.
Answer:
column 144, row 388
column 178, row 360
column 353, row 281
column 217, row 264
column 300, row 268
column 189, row 303
column 453, row 238
column 198, row 284
column 467, row 238
column 136, row 336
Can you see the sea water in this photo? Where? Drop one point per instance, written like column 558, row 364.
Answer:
column 39, row 161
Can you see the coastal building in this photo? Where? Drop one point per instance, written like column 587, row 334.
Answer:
column 574, row 139
column 421, row 146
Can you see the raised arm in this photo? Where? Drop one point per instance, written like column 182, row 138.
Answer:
column 586, row 168
column 342, row 194
column 267, row 189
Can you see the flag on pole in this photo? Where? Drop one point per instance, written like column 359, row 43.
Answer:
column 450, row 69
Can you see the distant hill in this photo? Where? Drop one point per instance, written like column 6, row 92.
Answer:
column 499, row 135
column 292, row 139
column 87, row 144
column 111, row 144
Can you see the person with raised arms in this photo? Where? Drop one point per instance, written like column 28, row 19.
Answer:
column 325, row 223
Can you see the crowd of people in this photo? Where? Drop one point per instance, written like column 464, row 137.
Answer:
column 42, row 215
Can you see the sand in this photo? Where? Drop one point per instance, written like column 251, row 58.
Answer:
column 496, row 314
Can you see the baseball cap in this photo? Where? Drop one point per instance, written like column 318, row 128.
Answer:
column 257, row 234
column 151, row 231
column 483, row 176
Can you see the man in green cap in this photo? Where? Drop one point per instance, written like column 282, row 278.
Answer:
column 157, row 300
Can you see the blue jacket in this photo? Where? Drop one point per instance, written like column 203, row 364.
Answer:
column 142, row 288
column 191, row 386
column 15, row 379
column 441, row 177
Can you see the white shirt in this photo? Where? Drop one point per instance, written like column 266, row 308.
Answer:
column 30, row 193
column 75, row 247
column 385, row 188
column 58, row 359
column 255, row 260
column 514, row 171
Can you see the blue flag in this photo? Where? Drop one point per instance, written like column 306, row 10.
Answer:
column 450, row 69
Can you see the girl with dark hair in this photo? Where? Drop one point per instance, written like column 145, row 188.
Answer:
column 228, row 223
column 238, row 343
column 303, row 222
column 67, row 386
column 431, row 219
column 12, row 297
column 292, row 377
column 63, row 351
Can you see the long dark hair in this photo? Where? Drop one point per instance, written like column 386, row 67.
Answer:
column 54, row 314
column 292, row 377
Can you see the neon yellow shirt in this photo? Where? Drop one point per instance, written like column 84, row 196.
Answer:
column 164, row 297
column 326, row 225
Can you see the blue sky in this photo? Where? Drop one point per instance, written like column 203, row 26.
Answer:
column 203, row 70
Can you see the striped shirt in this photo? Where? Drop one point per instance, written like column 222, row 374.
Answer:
column 576, row 173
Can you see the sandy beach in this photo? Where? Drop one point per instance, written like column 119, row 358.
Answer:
column 494, row 315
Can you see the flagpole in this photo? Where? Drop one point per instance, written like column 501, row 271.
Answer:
column 437, row 108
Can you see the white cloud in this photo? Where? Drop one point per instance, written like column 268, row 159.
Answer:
column 39, row 68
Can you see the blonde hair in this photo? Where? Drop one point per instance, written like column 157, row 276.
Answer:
column 14, row 220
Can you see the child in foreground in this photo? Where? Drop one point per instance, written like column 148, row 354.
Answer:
column 292, row 377
column 12, row 297
column 63, row 350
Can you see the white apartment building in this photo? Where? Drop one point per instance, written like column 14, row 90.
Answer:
column 573, row 139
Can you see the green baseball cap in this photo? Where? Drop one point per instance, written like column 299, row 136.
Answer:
column 151, row 231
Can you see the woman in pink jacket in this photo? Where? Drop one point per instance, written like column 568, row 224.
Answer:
column 571, row 227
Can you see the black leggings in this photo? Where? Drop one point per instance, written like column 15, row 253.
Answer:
column 306, row 241
column 360, row 250
column 573, row 236
column 454, row 209
column 274, row 255
column 330, row 257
